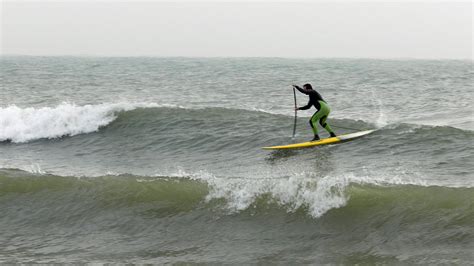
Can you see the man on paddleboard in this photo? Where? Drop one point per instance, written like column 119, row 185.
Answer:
column 322, row 112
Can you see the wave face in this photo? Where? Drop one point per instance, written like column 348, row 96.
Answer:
column 159, row 160
column 190, row 210
column 146, row 138
column 189, row 190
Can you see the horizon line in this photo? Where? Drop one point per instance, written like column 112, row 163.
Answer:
column 237, row 57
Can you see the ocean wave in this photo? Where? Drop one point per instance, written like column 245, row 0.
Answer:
column 67, row 119
column 185, row 191
column 21, row 125
column 148, row 208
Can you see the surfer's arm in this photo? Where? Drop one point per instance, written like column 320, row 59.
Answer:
column 306, row 107
column 301, row 90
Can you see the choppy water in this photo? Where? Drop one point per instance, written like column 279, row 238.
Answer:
column 158, row 160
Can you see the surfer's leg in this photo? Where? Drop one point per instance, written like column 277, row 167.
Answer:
column 314, row 122
column 325, row 110
column 313, row 125
column 326, row 126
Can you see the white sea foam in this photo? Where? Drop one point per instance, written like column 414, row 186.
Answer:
column 304, row 189
column 26, row 124
column 33, row 168
column 299, row 190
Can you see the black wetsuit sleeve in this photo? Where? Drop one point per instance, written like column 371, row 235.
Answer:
column 302, row 91
column 306, row 106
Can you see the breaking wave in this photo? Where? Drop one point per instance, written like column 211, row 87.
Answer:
column 26, row 124
column 300, row 192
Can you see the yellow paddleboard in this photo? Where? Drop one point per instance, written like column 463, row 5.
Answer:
column 321, row 142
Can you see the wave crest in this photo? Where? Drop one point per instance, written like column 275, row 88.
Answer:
column 67, row 119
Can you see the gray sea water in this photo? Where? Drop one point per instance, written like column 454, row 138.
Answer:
column 159, row 160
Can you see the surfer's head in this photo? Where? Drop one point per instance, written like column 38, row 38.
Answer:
column 307, row 86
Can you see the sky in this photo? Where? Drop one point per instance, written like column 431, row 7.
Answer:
column 374, row 29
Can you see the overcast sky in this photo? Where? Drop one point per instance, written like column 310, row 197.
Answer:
column 265, row 29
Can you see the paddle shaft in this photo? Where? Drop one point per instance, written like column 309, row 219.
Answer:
column 294, row 124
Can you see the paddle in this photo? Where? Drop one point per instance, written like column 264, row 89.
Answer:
column 294, row 125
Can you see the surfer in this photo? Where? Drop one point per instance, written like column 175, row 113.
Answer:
column 322, row 112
